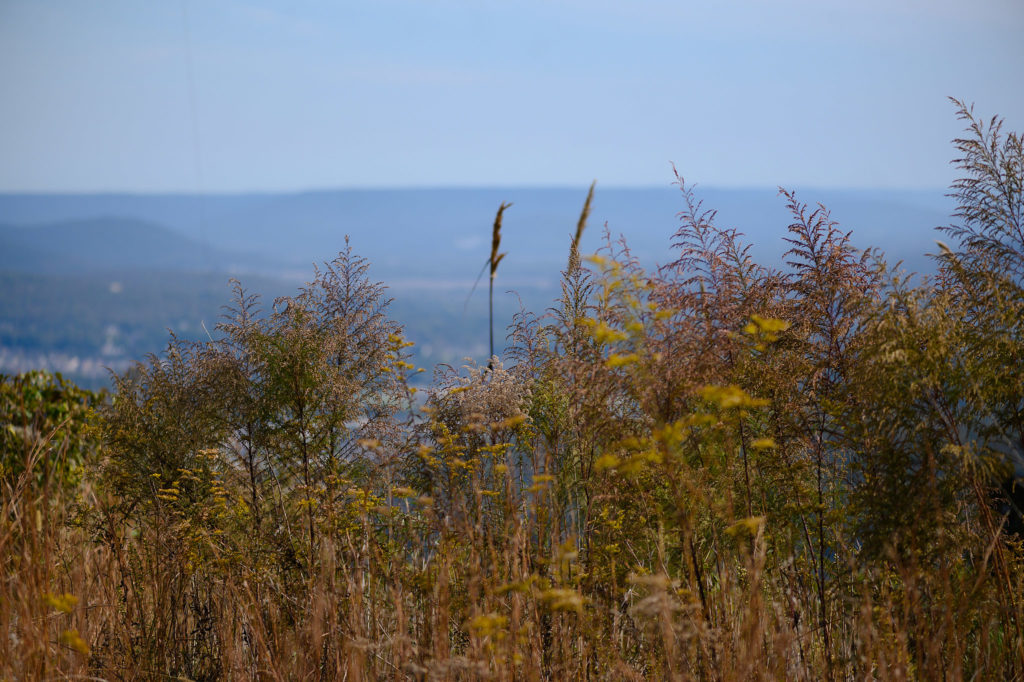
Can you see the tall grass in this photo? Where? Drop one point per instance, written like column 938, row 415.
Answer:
column 486, row 584
column 713, row 471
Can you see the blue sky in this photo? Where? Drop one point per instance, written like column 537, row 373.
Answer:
column 239, row 95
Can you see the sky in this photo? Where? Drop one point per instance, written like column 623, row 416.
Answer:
column 288, row 95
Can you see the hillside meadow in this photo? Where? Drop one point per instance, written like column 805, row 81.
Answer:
column 709, row 470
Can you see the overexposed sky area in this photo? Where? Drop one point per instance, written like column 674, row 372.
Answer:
column 244, row 95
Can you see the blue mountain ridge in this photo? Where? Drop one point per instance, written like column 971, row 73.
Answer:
column 442, row 236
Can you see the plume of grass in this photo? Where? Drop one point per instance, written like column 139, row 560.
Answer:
column 496, row 258
column 581, row 224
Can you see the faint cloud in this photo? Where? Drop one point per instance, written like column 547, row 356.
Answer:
column 285, row 22
column 407, row 74
column 469, row 243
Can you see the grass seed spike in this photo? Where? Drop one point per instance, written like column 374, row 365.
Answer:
column 495, row 259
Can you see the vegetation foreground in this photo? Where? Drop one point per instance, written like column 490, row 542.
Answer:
column 714, row 470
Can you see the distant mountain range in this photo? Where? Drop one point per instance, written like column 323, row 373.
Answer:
column 104, row 244
column 89, row 282
column 439, row 236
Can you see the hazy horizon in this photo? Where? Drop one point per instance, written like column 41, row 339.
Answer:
column 561, row 187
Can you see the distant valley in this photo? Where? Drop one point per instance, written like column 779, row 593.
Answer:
column 93, row 281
